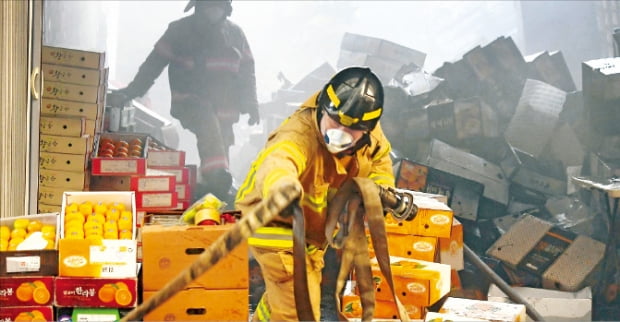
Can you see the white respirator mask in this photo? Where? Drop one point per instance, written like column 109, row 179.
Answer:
column 337, row 140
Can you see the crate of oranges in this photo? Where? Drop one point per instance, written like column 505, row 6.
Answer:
column 98, row 234
column 119, row 154
column 28, row 245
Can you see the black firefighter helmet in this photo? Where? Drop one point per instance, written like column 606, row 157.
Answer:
column 226, row 3
column 354, row 98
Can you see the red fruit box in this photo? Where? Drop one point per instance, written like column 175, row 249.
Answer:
column 27, row 313
column 26, row 291
column 117, row 154
column 181, row 173
column 184, row 191
column 96, row 292
column 163, row 156
column 152, row 180
column 156, row 200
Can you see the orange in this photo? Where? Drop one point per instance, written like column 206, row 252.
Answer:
column 125, row 234
column 123, row 296
column 15, row 241
column 18, row 233
column 4, row 245
column 74, row 233
column 41, row 295
column 125, row 224
column 93, row 225
column 48, row 228
column 34, row 225
column 24, row 292
column 107, row 293
column 72, row 207
column 86, row 208
column 101, row 208
column 74, row 216
column 126, row 215
column 96, row 217
column 117, row 205
column 5, row 232
column 21, row 223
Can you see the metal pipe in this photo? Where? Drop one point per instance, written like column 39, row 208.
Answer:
column 497, row 280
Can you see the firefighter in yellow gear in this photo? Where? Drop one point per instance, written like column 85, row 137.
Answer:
column 334, row 136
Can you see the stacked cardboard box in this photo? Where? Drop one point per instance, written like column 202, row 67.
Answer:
column 420, row 276
column 75, row 83
column 28, row 267
column 222, row 293
column 97, row 251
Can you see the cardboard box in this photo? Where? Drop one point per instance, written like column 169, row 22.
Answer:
column 196, row 304
column 63, row 126
column 409, row 246
column 117, row 165
column 51, row 195
column 94, row 314
column 73, row 92
column 72, row 57
column 96, row 292
column 382, row 48
column 535, row 118
column 69, row 180
column 27, row 313
column 416, row 282
column 63, row 161
column 45, row 208
column 156, row 199
column 564, row 260
column 27, row 291
column 184, row 191
column 352, row 308
column 163, row 260
column 152, row 181
column 63, row 108
column 166, row 158
column 72, row 75
column 440, row 317
column 433, row 219
column 46, row 228
column 486, row 310
column 444, row 157
column 550, row 304
column 64, row 144
column 451, row 249
column 181, row 173
column 110, row 258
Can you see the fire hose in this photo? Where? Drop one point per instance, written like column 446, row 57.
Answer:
column 283, row 203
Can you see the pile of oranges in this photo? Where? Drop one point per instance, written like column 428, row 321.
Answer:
column 118, row 292
column 112, row 148
column 98, row 221
column 22, row 228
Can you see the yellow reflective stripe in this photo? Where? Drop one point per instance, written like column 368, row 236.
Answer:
column 296, row 155
column 270, row 242
column 332, row 96
column 274, row 231
column 371, row 115
column 317, row 203
column 382, row 178
column 272, row 237
column 262, row 310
